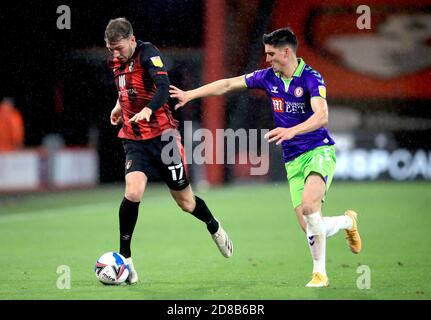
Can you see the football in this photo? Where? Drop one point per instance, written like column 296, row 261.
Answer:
column 111, row 268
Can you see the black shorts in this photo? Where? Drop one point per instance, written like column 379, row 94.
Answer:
column 158, row 159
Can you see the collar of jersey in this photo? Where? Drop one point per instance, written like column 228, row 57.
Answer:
column 139, row 45
column 297, row 73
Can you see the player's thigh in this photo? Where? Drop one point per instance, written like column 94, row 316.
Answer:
column 295, row 178
column 137, row 165
column 136, row 182
column 168, row 159
column 314, row 189
column 318, row 173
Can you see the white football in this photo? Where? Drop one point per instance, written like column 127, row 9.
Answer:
column 111, row 268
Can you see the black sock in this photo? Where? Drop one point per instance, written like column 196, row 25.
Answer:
column 128, row 217
column 204, row 214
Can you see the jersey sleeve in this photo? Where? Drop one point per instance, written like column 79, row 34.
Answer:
column 256, row 79
column 152, row 60
column 316, row 85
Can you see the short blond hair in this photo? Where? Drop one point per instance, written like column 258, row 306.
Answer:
column 118, row 29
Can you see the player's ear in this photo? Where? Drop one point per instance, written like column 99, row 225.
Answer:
column 133, row 38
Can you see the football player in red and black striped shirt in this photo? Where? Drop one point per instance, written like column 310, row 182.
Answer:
column 143, row 91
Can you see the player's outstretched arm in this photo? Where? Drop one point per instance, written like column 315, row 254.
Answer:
column 216, row 88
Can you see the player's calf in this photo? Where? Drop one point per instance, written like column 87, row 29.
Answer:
column 198, row 208
column 187, row 205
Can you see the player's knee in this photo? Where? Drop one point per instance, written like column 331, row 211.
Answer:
column 308, row 208
column 187, row 205
column 134, row 195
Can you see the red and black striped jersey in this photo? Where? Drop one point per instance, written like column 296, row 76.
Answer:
column 136, row 84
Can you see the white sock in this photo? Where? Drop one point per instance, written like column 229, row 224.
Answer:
column 316, row 237
column 335, row 224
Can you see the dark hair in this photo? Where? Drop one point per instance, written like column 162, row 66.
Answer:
column 118, row 29
column 281, row 37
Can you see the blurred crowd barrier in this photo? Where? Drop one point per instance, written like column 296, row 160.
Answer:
column 373, row 164
column 362, row 156
column 40, row 169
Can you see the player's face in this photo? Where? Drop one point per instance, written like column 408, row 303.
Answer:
column 123, row 49
column 277, row 57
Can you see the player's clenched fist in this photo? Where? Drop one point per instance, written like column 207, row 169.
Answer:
column 116, row 116
column 280, row 135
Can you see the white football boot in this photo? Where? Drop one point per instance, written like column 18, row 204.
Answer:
column 133, row 275
column 223, row 242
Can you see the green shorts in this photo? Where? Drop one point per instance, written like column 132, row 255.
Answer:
column 320, row 160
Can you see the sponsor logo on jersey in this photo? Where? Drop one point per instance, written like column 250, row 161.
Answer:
column 128, row 164
column 157, row 61
column 127, row 92
column 295, row 107
column 278, row 104
column 122, row 81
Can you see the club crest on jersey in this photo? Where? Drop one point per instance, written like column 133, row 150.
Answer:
column 131, row 65
column 128, row 164
column 298, row 92
column 157, row 61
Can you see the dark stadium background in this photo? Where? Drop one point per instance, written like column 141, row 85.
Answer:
column 36, row 56
column 61, row 84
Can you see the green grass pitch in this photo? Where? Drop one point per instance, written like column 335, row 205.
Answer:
column 176, row 258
